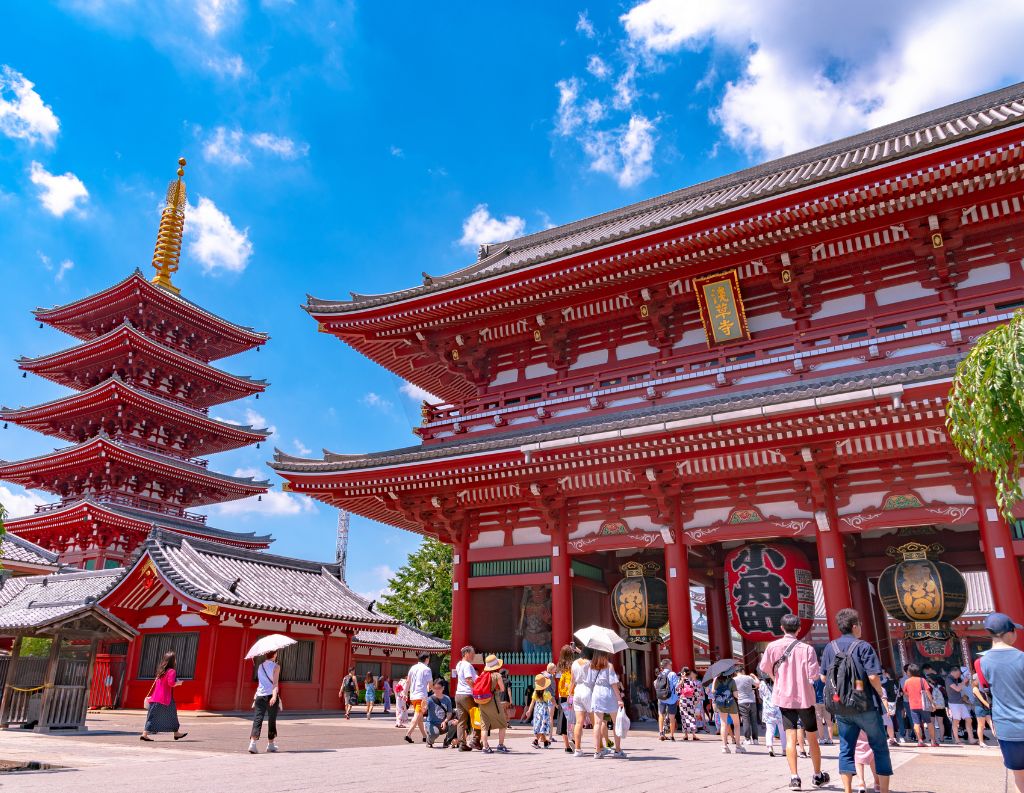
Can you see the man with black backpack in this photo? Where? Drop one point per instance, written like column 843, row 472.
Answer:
column 666, row 689
column 854, row 695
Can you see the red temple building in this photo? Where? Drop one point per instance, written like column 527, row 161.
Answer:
column 138, row 429
column 742, row 380
column 138, row 420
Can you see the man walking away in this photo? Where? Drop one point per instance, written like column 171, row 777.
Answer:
column 746, row 699
column 1001, row 669
column 852, row 668
column 420, row 679
column 465, row 674
column 666, row 686
column 793, row 664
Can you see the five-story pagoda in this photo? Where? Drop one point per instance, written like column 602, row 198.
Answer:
column 138, row 421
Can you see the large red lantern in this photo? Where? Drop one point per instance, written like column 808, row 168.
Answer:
column 764, row 583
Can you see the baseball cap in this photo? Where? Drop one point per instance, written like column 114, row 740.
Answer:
column 998, row 623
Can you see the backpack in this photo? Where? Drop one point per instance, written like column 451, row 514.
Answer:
column 662, row 687
column 938, row 697
column 724, row 700
column 843, row 697
column 482, row 693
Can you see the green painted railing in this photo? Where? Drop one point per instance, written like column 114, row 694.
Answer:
column 1018, row 529
column 584, row 570
column 513, row 657
column 535, row 564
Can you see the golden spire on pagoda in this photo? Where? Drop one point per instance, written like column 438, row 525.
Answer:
column 168, row 237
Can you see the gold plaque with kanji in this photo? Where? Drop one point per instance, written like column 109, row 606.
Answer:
column 721, row 308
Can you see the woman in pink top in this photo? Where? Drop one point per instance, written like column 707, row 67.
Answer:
column 162, row 714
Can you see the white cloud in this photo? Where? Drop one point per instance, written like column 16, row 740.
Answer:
column 593, row 110
column 23, row 114
column 569, row 119
column 58, row 270
column 625, row 153
column 227, row 66
column 380, row 575
column 597, row 67
column 374, row 400
column 301, row 448
column 19, row 502
column 274, row 502
column 813, row 72
column 215, row 15
column 279, row 145
column 625, row 88
column 418, row 394
column 397, row 152
column 584, row 25
column 251, row 419
column 481, row 227
column 233, row 147
column 58, row 193
column 215, row 241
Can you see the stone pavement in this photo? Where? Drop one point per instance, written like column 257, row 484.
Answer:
column 327, row 753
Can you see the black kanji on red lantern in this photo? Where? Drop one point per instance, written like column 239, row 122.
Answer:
column 759, row 592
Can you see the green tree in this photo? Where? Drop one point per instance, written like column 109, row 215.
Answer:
column 985, row 414
column 420, row 593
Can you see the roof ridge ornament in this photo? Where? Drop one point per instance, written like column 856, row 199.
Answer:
column 169, row 235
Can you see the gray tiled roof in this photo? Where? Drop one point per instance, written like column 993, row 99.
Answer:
column 408, row 638
column 208, row 571
column 907, row 373
column 41, row 600
column 16, row 549
column 943, row 126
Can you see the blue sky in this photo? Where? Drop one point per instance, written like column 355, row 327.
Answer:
column 337, row 146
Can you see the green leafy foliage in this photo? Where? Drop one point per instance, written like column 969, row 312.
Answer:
column 420, row 593
column 985, row 414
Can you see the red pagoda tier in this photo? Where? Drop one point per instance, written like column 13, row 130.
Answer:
column 138, row 423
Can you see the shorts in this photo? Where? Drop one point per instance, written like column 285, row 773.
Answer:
column 581, row 698
column 667, row 707
column 920, row 716
column 1013, row 754
column 957, row 711
column 806, row 716
column 981, row 712
column 417, row 705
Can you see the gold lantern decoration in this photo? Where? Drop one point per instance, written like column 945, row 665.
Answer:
column 640, row 601
column 923, row 592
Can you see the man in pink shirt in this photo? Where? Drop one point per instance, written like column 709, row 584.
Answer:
column 792, row 665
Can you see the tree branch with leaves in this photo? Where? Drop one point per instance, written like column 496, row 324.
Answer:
column 985, row 413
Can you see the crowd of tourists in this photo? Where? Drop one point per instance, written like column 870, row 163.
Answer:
column 799, row 699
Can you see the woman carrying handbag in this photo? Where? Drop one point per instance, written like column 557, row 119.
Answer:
column 266, row 703
column 161, row 712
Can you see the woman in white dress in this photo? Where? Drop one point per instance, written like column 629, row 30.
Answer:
column 605, row 701
column 581, row 692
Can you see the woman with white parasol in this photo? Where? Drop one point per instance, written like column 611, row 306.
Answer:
column 267, row 701
column 596, row 689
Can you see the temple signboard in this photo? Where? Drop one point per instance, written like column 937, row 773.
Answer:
column 721, row 308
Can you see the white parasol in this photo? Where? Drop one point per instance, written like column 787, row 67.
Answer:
column 597, row 638
column 268, row 644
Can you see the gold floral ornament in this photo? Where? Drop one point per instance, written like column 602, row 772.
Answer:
column 168, row 238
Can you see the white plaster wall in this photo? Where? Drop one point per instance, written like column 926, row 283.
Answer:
column 528, row 536
column 986, row 275
column 591, row 358
column 787, row 510
column 705, row 517
column 946, row 495
column 538, row 370
column 634, row 350
column 901, row 292
column 862, row 502
column 614, row 403
column 690, row 338
column 569, row 411
column 839, row 305
column 489, row 539
column 757, row 378
column 836, row 364
column 915, row 350
column 767, row 321
column 191, row 620
column 692, row 389
column 506, row 377
column 154, row 621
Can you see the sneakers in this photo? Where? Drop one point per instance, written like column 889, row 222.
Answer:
column 725, row 750
column 794, row 783
column 253, row 749
column 487, row 750
column 771, row 751
column 502, row 748
column 578, row 753
column 820, row 780
column 272, row 746
column 619, row 755
column 741, row 750
column 601, row 754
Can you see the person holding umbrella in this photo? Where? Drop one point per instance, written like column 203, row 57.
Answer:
column 598, row 683
column 723, row 697
column 267, row 701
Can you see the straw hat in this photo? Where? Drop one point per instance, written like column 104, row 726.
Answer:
column 541, row 682
column 493, row 663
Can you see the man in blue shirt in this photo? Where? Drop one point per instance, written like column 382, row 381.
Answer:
column 1002, row 670
column 868, row 670
column 667, row 682
column 824, row 718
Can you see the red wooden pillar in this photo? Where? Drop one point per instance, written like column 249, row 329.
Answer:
column 131, row 670
column 460, row 599
column 861, row 593
column 882, row 631
column 680, row 618
column 997, row 545
column 835, row 580
column 210, row 635
column 244, row 665
column 561, row 585
column 325, row 637
column 719, row 632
